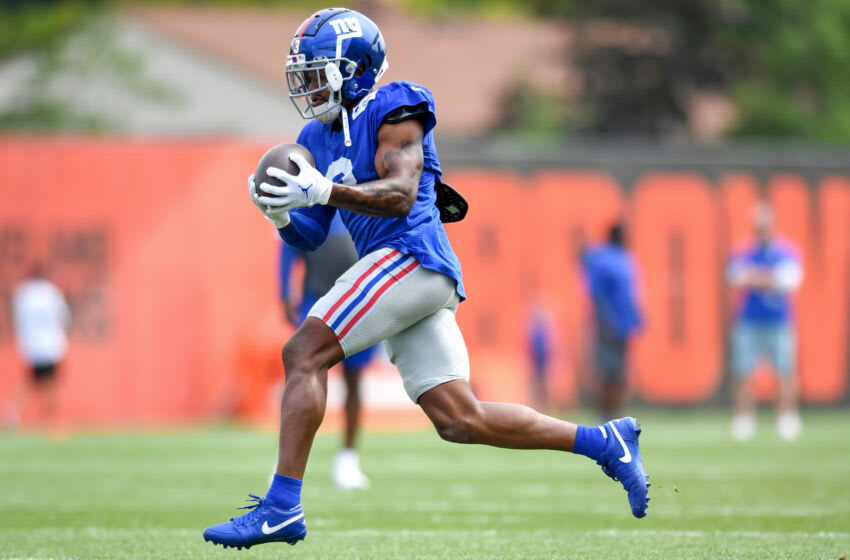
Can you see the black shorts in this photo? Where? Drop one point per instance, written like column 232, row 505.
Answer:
column 43, row 372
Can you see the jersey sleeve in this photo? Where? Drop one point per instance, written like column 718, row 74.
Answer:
column 308, row 227
column 736, row 269
column 587, row 267
column 398, row 95
column 788, row 272
column 788, row 275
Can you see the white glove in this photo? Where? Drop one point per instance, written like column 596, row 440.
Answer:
column 278, row 216
column 307, row 188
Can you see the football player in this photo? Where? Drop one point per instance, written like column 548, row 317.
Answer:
column 377, row 167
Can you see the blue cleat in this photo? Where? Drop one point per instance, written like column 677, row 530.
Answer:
column 264, row 523
column 621, row 461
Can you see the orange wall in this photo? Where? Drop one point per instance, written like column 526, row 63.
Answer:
column 171, row 273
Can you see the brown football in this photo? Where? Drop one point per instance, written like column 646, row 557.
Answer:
column 278, row 156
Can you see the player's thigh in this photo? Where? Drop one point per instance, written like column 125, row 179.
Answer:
column 381, row 295
column 429, row 353
column 743, row 350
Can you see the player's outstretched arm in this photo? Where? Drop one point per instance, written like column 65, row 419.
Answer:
column 399, row 161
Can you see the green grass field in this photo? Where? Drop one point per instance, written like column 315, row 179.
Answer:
column 149, row 495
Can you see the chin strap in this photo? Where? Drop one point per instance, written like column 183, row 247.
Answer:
column 343, row 114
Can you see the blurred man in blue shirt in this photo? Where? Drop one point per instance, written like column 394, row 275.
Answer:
column 611, row 275
column 765, row 274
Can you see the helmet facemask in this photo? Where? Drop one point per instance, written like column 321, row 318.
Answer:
column 306, row 79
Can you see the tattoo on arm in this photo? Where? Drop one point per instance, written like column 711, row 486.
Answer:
column 394, row 159
column 400, row 168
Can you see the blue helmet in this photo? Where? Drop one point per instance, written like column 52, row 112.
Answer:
column 338, row 50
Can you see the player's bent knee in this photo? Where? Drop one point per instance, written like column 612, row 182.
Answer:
column 299, row 358
column 290, row 354
column 459, row 428
column 313, row 347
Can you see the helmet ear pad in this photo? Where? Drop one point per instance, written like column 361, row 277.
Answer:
column 333, row 76
column 348, row 80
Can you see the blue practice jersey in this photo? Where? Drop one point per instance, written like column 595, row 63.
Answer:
column 421, row 232
column 612, row 278
column 767, row 307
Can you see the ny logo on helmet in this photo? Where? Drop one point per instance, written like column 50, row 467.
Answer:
column 347, row 25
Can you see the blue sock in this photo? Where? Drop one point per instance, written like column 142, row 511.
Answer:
column 589, row 442
column 285, row 491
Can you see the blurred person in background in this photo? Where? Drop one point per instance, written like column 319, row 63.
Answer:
column 41, row 320
column 765, row 275
column 377, row 168
column 321, row 269
column 540, row 338
column 611, row 275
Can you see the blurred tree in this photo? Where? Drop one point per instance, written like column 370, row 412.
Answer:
column 781, row 63
column 793, row 78
column 37, row 24
column 638, row 62
column 530, row 114
column 56, row 36
column 643, row 63
column 41, row 29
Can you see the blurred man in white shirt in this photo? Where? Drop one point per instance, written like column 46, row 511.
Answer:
column 41, row 319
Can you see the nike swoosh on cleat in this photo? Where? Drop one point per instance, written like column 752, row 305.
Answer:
column 627, row 456
column 269, row 530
